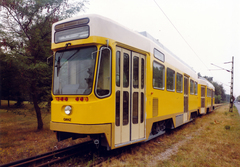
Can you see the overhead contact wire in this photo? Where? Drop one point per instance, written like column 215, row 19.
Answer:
column 181, row 35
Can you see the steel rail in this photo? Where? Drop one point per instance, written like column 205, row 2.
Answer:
column 52, row 157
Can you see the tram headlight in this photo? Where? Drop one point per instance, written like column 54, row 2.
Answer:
column 68, row 110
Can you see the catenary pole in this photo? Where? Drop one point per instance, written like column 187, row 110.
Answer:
column 231, row 96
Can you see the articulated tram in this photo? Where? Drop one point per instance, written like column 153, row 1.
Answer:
column 118, row 86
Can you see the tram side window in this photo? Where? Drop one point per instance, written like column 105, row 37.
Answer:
column 159, row 55
column 208, row 92
column 191, row 86
column 117, row 119
column 118, row 68
column 195, row 88
column 179, row 85
column 103, row 86
column 142, row 107
column 126, row 70
column 158, row 75
column 125, row 108
column 170, row 79
column 142, row 74
column 202, row 91
column 135, row 108
column 135, row 72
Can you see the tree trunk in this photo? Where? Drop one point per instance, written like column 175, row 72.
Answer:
column 38, row 112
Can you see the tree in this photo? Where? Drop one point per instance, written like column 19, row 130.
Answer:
column 219, row 91
column 25, row 37
column 218, row 99
column 9, row 82
column 238, row 99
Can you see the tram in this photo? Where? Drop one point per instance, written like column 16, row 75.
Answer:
column 118, row 86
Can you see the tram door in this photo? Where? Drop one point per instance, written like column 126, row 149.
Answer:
column 203, row 92
column 211, row 100
column 186, row 90
column 129, row 112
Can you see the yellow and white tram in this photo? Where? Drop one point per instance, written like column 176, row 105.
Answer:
column 118, row 86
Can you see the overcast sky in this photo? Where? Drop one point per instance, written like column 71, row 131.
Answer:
column 210, row 27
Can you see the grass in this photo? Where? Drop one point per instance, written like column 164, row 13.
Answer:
column 210, row 140
column 19, row 137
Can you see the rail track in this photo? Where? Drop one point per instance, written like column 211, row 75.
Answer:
column 54, row 156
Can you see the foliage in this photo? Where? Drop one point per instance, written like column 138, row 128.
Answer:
column 238, row 98
column 25, row 38
column 218, row 99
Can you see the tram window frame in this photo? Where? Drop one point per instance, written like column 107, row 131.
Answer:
column 196, row 88
column 163, row 77
column 180, row 77
column 191, row 87
column 159, row 55
column 168, row 82
column 98, row 73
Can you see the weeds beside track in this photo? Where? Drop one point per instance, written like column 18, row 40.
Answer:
column 54, row 156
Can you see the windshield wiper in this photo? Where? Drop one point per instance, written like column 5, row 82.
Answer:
column 59, row 59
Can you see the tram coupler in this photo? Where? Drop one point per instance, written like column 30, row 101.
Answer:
column 96, row 142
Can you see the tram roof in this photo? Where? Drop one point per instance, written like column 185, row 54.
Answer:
column 204, row 81
column 105, row 27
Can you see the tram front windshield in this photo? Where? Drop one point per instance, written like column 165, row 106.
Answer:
column 74, row 71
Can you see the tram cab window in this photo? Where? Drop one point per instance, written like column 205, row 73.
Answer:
column 103, row 80
column 158, row 75
column 74, row 71
column 170, row 79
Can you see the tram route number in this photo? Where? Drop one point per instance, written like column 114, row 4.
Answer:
column 67, row 119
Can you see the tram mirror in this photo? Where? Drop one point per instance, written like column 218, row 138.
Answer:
column 50, row 59
column 104, row 48
column 93, row 54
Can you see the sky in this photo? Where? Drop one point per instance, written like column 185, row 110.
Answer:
column 208, row 31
